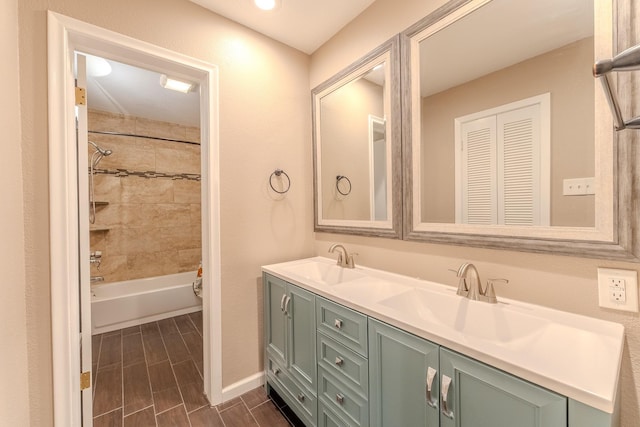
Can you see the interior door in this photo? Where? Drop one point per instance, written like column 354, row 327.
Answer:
column 83, row 243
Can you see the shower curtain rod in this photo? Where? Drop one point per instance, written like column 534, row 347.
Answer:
column 143, row 136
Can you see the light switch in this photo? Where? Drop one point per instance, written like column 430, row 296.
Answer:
column 578, row 186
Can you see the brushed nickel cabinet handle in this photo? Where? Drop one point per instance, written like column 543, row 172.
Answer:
column 284, row 296
column 340, row 398
column 338, row 323
column 275, row 371
column 446, row 383
column 339, row 361
column 431, row 374
column 301, row 397
column 286, row 305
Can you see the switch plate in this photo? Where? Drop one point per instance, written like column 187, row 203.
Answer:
column 618, row 289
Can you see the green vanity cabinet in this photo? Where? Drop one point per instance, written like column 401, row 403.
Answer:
column 290, row 337
column 398, row 368
column 337, row 367
column 481, row 396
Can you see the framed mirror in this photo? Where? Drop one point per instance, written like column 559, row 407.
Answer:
column 507, row 137
column 357, row 143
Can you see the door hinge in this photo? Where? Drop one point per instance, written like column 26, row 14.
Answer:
column 81, row 96
column 85, row 380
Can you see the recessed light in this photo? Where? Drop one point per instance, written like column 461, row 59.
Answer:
column 175, row 84
column 267, row 4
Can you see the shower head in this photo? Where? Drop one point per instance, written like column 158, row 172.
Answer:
column 102, row 151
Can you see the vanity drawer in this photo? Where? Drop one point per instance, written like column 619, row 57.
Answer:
column 302, row 401
column 343, row 325
column 346, row 402
column 345, row 364
column 327, row 417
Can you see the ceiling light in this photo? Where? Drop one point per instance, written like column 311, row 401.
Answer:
column 267, row 4
column 174, row 84
column 97, row 67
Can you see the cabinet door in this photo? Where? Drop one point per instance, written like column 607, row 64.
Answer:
column 482, row 396
column 302, row 336
column 275, row 294
column 398, row 366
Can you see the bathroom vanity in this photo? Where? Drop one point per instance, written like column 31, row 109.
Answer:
column 363, row 347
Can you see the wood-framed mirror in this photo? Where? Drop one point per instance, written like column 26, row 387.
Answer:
column 508, row 141
column 357, row 147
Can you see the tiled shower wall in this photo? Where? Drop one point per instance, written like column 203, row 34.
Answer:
column 150, row 226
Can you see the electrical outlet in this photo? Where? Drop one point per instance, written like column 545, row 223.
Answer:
column 618, row 289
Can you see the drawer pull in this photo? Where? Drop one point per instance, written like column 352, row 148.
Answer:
column 338, row 323
column 340, row 398
column 446, row 383
column 301, row 397
column 339, row 361
column 276, row 371
column 284, row 296
column 431, row 374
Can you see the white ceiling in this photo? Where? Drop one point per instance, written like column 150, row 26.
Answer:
column 303, row 24
column 499, row 34
column 134, row 91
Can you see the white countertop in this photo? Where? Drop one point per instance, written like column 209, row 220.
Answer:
column 576, row 356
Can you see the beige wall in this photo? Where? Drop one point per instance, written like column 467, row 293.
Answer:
column 150, row 226
column 560, row 282
column 264, row 121
column 566, row 74
column 14, row 404
column 344, row 126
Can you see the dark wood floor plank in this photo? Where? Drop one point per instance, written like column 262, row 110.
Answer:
column 161, row 376
column 150, row 330
column 184, row 324
column 137, row 390
column 193, row 396
column 194, row 344
column 108, row 394
column 96, row 340
column 255, row 397
column 112, row 419
column 176, row 417
column 166, row 399
column 206, row 417
column 154, row 349
column 144, row 418
column 186, row 373
column 131, row 330
column 238, row 416
column 168, row 326
column 229, row 403
column 267, row 414
column 132, row 350
column 176, row 348
column 196, row 318
column 110, row 351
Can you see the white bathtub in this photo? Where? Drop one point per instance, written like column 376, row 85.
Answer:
column 134, row 302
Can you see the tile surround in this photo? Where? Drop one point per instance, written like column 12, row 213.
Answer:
column 154, row 224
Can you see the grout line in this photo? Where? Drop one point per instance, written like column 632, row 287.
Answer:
column 146, row 365
column 173, row 407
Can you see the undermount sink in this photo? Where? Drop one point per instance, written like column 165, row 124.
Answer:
column 498, row 323
column 326, row 274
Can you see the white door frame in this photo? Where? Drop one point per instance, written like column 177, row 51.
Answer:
column 65, row 36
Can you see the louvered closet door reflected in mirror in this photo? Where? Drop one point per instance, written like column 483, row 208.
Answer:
column 502, row 163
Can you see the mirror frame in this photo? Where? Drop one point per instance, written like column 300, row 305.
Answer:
column 616, row 235
column 391, row 228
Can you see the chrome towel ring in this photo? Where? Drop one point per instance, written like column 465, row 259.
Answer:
column 340, row 178
column 279, row 173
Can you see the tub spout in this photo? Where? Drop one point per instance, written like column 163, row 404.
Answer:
column 95, row 279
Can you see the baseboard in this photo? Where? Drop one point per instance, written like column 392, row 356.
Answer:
column 241, row 387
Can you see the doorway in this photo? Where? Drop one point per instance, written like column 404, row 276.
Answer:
column 68, row 205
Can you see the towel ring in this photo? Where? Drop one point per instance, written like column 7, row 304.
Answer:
column 340, row 178
column 279, row 172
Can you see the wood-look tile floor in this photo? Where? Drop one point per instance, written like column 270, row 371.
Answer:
column 151, row 375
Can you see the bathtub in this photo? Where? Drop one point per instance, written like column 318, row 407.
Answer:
column 119, row 305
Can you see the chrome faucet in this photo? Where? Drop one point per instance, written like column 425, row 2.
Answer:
column 470, row 286
column 344, row 258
